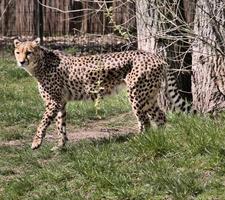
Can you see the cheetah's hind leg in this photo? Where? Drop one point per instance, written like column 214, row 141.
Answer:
column 157, row 115
column 138, row 109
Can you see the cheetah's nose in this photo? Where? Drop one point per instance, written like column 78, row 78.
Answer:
column 22, row 62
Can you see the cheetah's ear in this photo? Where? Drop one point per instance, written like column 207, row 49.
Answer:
column 16, row 42
column 36, row 42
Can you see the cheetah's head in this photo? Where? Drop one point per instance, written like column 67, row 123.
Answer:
column 26, row 53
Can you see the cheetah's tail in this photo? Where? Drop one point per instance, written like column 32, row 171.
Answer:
column 173, row 93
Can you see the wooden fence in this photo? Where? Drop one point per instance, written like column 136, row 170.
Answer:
column 19, row 17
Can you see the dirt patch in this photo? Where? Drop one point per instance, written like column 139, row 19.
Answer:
column 88, row 134
column 117, row 126
column 12, row 143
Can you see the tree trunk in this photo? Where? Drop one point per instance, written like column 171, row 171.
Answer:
column 208, row 57
column 147, row 25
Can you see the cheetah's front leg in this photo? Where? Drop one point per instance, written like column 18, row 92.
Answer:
column 61, row 127
column 50, row 113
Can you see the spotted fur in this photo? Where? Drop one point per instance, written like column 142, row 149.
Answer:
column 62, row 78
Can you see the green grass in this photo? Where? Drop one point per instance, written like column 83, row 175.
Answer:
column 185, row 160
column 71, row 50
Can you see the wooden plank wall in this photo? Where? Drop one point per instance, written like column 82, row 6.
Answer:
column 20, row 17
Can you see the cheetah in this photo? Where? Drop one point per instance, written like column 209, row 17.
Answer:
column 62, row 78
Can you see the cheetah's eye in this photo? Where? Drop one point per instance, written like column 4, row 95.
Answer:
column 29, row 53
column 17, row 52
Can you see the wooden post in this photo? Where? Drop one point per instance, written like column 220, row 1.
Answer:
column 40, row 21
